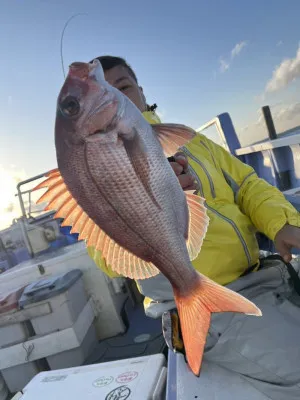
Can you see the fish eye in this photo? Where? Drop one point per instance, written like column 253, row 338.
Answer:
column 70, row 106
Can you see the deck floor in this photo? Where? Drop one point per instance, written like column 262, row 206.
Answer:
column 128, row 345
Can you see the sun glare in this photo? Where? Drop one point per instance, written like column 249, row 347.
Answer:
column 9, row 206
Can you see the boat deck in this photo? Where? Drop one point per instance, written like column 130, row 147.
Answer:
column 143, row 337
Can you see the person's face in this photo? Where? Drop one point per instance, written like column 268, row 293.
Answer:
column 120, row 78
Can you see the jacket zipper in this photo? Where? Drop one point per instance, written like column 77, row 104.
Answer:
column 211, row 184
column 208, row 149
column 236, row 229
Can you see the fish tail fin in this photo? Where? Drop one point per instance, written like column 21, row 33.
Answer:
column 195, row 308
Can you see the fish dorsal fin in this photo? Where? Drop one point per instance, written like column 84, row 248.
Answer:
column 119, row 259
column 173, row 136
column 198, row 223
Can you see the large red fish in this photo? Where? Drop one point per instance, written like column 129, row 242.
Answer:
column 116, row 188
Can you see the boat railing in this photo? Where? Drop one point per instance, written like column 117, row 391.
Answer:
column 277, row 161
column 21, row 193
column 41, row 232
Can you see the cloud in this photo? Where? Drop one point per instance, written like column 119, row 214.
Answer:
column 238, row 48
column 281, row 112
column 245, row 128
column 284, row 74
column 287, row 112
column 161, row 113
column 225, row 64
column 10, row 208
column 279, row 43
column 285, row 116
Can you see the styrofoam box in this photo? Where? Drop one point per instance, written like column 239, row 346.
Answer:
column 66, row 296
column 77, row 356
column 3, row 389
column 141, row 378
column 11, row 332
column 108, row 322
column 18, row 376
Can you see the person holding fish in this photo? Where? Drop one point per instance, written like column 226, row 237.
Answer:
column 184, row 228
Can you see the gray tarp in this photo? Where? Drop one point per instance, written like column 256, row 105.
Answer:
column 265, row 350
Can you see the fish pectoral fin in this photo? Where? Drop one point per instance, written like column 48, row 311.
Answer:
column 198, row 224
column 173, row 136
column 120, row 260
column 195, row 308
column 139, row 160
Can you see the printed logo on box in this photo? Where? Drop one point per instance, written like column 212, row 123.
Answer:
column 119, row 393
column 54, row 378
column 127, row 377
column 103, row 381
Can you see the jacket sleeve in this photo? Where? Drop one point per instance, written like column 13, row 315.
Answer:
column 264, row 204
column 101, row 263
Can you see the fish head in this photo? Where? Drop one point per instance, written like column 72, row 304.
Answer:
column 87, row 104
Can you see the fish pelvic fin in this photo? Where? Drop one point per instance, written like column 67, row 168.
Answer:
column 195, row 308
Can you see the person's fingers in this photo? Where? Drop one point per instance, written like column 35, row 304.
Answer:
column 294, row 237
column 284, row 250
column 177, row 168
column 187, row 182
column 193, row 187
column 287, row 238
column 287, row 258
column 181, row 159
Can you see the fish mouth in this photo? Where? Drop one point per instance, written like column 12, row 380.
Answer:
column 97, row 133
column 102, row 107
column 107, row 103
column 110, row 124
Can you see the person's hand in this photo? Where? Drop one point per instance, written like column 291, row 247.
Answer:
column 287, row 238
column 186, row 180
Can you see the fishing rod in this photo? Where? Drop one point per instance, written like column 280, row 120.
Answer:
column 62, row 38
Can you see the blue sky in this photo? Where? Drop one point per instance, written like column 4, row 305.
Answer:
column 175, row 49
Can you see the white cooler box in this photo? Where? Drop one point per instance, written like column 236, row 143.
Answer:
column 142, row 378
column 13, row 332
column 10, row 331
column 66, row 295
column 3, row 389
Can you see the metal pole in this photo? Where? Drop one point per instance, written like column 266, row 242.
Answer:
column 269, row 122
column 24, row 216
column 20, row 192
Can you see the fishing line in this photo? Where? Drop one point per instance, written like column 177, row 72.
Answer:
column 62, row 37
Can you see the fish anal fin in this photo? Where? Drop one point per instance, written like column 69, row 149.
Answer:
column 198, row 223
column 195, row 308
column 123, row 262
column 173, row 136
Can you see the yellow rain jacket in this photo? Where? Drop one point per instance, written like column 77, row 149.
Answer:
column 239, row 204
